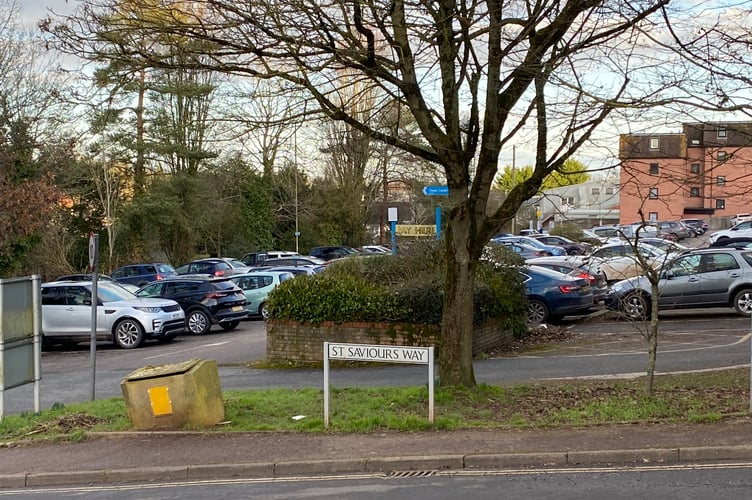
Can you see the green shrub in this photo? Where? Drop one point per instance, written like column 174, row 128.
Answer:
column 402, row 288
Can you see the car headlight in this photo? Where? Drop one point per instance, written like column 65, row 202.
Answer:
column 146, row 309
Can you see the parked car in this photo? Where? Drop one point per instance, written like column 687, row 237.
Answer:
column 743, row 229
column 740, row 242
column 122, row 318
column 739, row 218
column 618, row 261
column 296, row 260
column 213, row 266
column 698, row 224
column 524, row 251
column 673, row 230
column 332, row 252
column 378, row 249
column 577, row 269
column 700, row 278
column 206, row 300
column 552, row 295
column 532, row 242
column 571, row 247
column 599, row 239
column 665, row 245
column 298, row 270
column 256, row 286
column 141, row 274
column 254, row 259
column 100, row 277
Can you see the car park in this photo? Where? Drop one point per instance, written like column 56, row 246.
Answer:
column 122, row 318
column 206, row 300
column 141, row 274
column 743, row 229
column 213, row 266
column 256, row 286
column 552, row 295
column 700, row 278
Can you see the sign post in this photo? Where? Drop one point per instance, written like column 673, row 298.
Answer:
column 93, row 265
column 392, row 213
column 378, row 354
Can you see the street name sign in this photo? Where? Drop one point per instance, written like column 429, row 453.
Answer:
column 378, row 354
column 436, row 190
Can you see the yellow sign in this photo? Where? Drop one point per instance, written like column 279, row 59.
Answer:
column 415, row 230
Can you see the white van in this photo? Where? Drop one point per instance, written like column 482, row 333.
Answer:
column 736, row 219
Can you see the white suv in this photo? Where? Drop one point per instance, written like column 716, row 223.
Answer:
column 122, row 318
column 743, row 229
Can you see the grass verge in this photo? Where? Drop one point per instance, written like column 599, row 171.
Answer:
column 691, row 398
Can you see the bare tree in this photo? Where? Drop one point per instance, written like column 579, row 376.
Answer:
column 476, row 77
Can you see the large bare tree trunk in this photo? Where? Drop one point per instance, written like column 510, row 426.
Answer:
column 455, row 352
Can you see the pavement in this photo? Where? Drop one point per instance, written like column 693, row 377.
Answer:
column 108, row 458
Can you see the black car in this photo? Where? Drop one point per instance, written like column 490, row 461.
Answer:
column 141, row 274
column 205, row 300
column 332, row 252
column 213, row 266
column 740, row 242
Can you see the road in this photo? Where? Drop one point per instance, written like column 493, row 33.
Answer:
column 688, row 342
column 684, row 482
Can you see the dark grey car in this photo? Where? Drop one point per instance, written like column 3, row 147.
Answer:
column 706, row 277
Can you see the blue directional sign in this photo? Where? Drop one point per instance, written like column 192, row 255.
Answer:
column 436, row 190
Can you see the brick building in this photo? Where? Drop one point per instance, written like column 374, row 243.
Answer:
column 703, row 172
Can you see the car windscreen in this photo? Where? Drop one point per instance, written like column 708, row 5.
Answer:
column 113, row 293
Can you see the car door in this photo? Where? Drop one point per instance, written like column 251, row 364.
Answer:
column 256, row 288
column 67, row 311
column 719, row 271
column 680, row 286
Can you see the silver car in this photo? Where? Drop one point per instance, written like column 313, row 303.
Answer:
column 122, row 317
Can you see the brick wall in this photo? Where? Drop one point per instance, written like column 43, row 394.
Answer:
column 292, row 341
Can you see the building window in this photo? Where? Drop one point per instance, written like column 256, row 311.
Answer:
column 653, row 216
column 609, row 190
column 694, row 168
column 721, row 156
column 653, row 169
column 721, row 180
column 720, row 204
column 655, row 143
column 595, row 191
column 694, row 192
column 569, row 200
column 653, row 194
column 721, row 132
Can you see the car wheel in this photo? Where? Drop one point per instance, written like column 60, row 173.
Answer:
column 230, row 325
column 264, row 310
column 537, row 311
column 129, row 334
column 743, row 302
column 199, row 322
column 635, row 305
